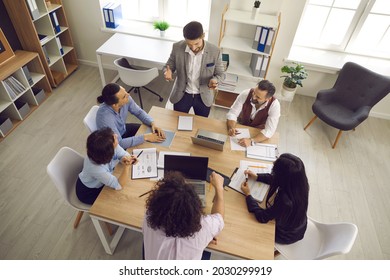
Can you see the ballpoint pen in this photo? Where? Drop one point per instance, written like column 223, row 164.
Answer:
column 246, row 178
column 140, row 153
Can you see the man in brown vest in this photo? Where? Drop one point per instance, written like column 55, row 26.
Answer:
column 256, row 107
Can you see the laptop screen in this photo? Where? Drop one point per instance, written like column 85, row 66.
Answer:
column 192, row 167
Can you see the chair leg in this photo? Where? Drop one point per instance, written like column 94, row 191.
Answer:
column 337, row 139
column 311, row 121
column 155, row 93
column 78, row 218
column 138, row 90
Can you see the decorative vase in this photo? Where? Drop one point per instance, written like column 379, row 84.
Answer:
column 162, row 33
column 288, row 93
column 254, row 13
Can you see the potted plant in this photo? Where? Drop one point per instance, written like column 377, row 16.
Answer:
column 162, row 26
column 295, row 74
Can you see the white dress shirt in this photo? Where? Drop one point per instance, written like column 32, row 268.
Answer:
column 273, row 114
column 193, row 70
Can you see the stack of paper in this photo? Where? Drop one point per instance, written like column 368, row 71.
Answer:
column 228, row 82
column 262, row 151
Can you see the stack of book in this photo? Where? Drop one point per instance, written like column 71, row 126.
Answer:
column 13, row 86
column 228, row 82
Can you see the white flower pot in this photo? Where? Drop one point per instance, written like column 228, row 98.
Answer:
column 288, row 93
column 162, row 33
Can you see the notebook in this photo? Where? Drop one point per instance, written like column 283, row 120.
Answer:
column 193, row 168
column 185, row 123
column 209, row 139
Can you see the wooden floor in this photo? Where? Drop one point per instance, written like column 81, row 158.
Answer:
column 350, row 183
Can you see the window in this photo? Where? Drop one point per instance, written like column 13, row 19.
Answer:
column 351, row 26
column 176, row 12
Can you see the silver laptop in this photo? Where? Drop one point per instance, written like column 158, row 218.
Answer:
column 194, row 170
column 209, row 139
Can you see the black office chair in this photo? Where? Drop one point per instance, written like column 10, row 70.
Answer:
column 349, row 102
column 136, row 78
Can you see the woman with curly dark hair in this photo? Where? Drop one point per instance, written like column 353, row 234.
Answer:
column 287, row 199
column 175, row 227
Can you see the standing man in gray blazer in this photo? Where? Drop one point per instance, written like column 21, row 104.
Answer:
column 198, row 66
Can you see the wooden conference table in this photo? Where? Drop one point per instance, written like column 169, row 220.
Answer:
column 242, row 237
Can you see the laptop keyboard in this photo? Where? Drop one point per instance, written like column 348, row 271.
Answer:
column 210, row 139
column 199, row 187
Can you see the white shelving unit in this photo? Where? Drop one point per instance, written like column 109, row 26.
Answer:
column 59, row 66
column 9, row 104
column 236, row 38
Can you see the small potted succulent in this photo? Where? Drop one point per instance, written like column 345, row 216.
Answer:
column 162, row 26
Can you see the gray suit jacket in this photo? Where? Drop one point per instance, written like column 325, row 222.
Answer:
column 211, row 67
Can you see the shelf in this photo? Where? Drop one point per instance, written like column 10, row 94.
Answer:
column 27, row 30
column 245, row 17
column 240, row 44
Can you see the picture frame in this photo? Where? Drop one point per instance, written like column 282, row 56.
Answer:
column 6, row 51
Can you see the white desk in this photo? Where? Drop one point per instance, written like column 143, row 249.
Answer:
column 123, row 45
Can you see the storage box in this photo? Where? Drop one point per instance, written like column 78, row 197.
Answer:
column 23, row 108
column 39, row 94
column 58, row 76
column 5, row 125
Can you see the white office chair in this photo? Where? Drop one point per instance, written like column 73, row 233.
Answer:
column 63, row 170
column 321, row 241
column 137, row 79
column 90, row 119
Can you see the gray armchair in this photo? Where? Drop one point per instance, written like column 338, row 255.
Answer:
column 349, row 102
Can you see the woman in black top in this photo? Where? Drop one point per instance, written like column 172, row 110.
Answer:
column 287, row 199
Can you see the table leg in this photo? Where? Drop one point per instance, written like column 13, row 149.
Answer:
column 101, row 70
column 109, row 242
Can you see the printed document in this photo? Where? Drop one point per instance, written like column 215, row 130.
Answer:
column 146, row 166
column 242, row 133
column 262, row 151
column 258, row 189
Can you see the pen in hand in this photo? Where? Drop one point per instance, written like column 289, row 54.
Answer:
column 246, row 177
column 140, row 153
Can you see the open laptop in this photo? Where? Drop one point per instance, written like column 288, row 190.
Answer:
column 209, row 139
column 193, row 168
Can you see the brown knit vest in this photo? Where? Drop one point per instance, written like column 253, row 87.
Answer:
column 260, row 117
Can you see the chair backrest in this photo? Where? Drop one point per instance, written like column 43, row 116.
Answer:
column 360, row 86
column 63, row 170
column 90, row 119
column 133, row 77
column 321, row 241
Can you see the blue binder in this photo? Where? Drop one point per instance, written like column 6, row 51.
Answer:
column 106, row 15
column 263, row 39
column 115, row 13
column 55, row 23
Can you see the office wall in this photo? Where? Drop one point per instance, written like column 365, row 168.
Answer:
column 87, row 36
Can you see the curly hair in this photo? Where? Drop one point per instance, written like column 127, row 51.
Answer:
column 100, row 145
column 174, row 207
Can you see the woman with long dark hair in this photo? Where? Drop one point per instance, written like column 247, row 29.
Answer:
column 287, row 199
